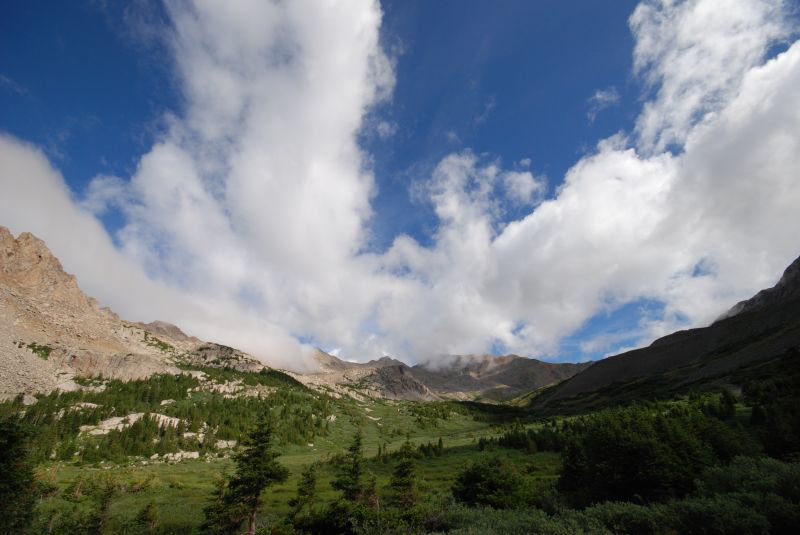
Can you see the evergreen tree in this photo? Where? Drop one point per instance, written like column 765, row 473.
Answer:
column 17, row 487
column 147, row 518
column 103, row 496
column 370, row 495
column 306, row 492
column 403, row 486
column 256, row 469
column 239, row 500
column 222, row 516
column 489, row 481
column 348, row 478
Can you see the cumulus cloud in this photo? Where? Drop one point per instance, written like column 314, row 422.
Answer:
column 248, row 221
column 694, row 54
column 632, row 221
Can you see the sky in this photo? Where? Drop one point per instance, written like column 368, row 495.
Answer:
column 561, row 180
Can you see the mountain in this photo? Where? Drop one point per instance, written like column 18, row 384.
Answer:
column 493, row 377
column 761, row 330
column 51, row 332
column 449, row 377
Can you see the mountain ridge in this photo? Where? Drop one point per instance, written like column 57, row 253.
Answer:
column 51, row 333
column 764, row 327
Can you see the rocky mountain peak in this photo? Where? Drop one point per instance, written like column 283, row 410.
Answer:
column 27, row 262
column 787, row 289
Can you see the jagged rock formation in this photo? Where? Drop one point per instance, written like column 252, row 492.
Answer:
column 51, row 332
column 360, row 380
column 451, row 377
column 494, row 377
column 760, row 329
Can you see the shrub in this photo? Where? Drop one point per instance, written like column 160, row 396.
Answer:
column 491, row 482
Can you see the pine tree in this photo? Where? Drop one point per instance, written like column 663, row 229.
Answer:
column 403, row 486
column 256, row 469
column 348, row 478
column 370, row 494
column 98, row 518
column 239, row 500
column 440, row 447
column 147, row 518
column 16, row 478
column 222, row 515
column 306, row 492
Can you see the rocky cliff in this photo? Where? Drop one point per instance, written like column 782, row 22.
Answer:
column 51, row 332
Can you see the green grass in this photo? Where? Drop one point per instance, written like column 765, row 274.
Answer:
column 159, row 344
column 180, row 491
column 40, row 350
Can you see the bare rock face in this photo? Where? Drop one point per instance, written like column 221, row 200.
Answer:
column 450, row 377
column 169, row 331
column 51, row 332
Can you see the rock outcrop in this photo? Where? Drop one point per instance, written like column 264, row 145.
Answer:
column 51, row 332
column 463, row 377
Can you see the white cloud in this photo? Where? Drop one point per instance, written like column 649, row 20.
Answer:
column 602, row 99
column 694, row 55
column 631, row 221
column 11, row 85
column 248, row 219
column 386, row 129
column 453, row 137
column 523, row 187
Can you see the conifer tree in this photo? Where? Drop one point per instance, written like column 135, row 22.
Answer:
column 348, row 479
column 239, row 500
column 16, row 478
column 403, row 484
column 256, row 469
column 306, row 492
column 370, row 495
column 222, row 515
column 147, row 518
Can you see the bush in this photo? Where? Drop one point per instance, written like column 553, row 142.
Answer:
column 624, row 517
column 718, row 515
column 634, row 455
column 491, row 482
column 460, row 520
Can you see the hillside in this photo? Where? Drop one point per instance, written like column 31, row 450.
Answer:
column 139, row 449
column 463, row 377
column 758, row 330
column 51, row 332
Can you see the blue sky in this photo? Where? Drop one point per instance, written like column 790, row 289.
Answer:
column 446, row 218
column 91, row 90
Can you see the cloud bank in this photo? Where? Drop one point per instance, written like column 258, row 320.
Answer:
column 248, row 221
